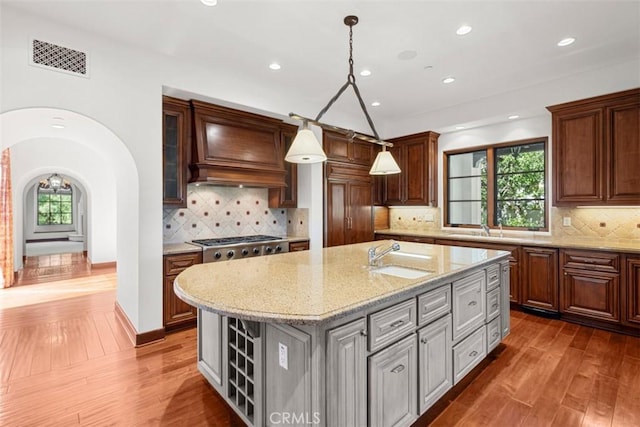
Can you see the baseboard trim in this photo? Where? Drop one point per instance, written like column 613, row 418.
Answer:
column 102, row 265
column 136, row 338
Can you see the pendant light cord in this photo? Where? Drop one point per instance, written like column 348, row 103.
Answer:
column 351, row 81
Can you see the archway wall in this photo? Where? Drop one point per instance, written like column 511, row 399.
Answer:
column 35, row 157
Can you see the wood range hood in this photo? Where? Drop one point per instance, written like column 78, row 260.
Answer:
column 233, row 147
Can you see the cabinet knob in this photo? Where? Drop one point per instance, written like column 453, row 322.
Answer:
column 397, row 324
column 472, row 303
column 424, row 340
column 363, row 332
column 473, row 353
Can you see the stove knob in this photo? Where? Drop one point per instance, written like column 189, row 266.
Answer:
column 230, row 254
column 278, row 248
column 256, row 251
column 269, row 249
column 217, row 255
column 245, row 252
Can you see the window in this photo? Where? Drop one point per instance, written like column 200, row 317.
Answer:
column 503, row 184
column 55, row 208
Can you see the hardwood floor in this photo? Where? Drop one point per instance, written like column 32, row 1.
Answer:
column 69, row 362
column 47, row 268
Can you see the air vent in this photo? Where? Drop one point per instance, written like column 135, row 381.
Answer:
column 58, row 58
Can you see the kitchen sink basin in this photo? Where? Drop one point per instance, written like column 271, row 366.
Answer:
column 404, row 272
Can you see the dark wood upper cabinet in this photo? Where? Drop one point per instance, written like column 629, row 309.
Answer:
column 339, row 148
column 287, row 196
column 417, row 184
column 233, row 147
column 175, row 141
column 596, row 150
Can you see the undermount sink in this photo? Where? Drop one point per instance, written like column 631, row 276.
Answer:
column 404, row 272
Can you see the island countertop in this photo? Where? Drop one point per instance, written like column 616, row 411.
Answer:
column 316, row 286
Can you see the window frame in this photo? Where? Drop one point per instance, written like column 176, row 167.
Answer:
column 52, row 228
column 492, row 182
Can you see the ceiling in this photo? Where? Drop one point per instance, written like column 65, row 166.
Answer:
column 512, row 44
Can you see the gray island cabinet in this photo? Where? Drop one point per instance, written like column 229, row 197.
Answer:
column 321, row 338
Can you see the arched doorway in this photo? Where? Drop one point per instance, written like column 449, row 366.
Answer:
column 89, row 151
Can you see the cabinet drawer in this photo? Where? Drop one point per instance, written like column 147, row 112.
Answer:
column 589, row 260
column 494, row 334
column 493, row 303
column 392, row 323
column 493, row 276
column 175, row 264
column 469, row 304
column 434, row 304
column 468, row 353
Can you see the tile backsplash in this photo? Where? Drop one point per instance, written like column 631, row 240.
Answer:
column 414, row 219
column 215, row 211
column 610, row 223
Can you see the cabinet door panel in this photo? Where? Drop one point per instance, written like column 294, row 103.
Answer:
column 591, row 294
column 393, row 385
column 347, row 375
column 416, row 173
column 578, row 157
column 176, row 311
column 632, row 316
column 336, row 213
column 393, row 187
column 175, row 127
column 435, row 360
column 469, row 304
column 540, row 278
column 624, row 154
column 210, row 345
column 360, row 213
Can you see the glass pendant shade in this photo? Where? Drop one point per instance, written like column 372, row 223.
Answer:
column 384, row 164
column 305, row 148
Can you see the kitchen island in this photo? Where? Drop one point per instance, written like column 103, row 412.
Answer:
column 321, row 338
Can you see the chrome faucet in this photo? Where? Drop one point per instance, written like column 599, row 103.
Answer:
column 375, row 256
column 486, row 231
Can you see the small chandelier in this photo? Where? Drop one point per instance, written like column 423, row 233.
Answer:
column 55, row 182
column 307, row 149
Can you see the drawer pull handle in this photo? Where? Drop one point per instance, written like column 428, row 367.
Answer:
column 473, row 353
column 363, row 332
column 472, row 303
column 424, row 340
column 398, row 369
column 397, row 323
column 493, row 277
column 494, row 335
column 495, row 305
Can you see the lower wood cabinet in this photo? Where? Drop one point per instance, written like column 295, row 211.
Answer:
column 393, row 393
column 632, row 300
column 591, row 294
column 302, row 245
column 435, row 365
column 176, row 313
column 540, row 278
column 347, row 375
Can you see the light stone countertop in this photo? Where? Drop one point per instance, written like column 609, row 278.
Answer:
column 589, row 243
column 179, row 248
column 316, row 286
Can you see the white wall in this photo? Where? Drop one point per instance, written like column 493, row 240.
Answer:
column 32, row 158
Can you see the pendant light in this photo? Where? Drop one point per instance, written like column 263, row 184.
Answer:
column 307, row 149
column 55, row 182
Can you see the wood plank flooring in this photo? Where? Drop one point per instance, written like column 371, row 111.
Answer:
column 47, row 268
column 68, row 362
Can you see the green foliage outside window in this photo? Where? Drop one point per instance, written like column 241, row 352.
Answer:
column 54, row 208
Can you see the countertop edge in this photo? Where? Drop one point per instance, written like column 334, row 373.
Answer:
column 316, row 320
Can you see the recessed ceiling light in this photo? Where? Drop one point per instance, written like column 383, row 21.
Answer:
column 566, row 42
column 405, row 55
column 365, row 73
column 448, row 80
column 57, row 126
column 58, row 123
column 513, row 117
column 375, row 104
column 464, row 29
column 209, row 2
column 459, row 127
column 274, row 66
